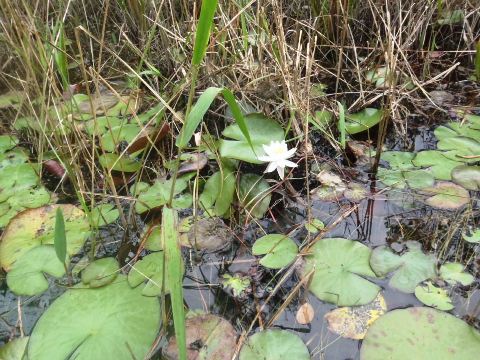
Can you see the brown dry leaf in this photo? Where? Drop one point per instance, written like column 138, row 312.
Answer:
column 353, row 322
column 305, row 314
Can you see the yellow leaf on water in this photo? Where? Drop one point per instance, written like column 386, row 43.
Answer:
column 353, row 322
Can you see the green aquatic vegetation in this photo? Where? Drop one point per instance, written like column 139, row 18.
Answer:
column 274, row 344
column 254, row 195
column 454, row 273
column 473, row 237
column 11, row 98
column 116, row 162
column 262, row 131
column 362, row 120
column 420, row 333
column 7, row 142
column 279, row 250
column 218, row 193
column 447, row 195
column 237, row 284
column 440, row 166
column 104, row 214
column 339, row 267
column 314, row 226
column 100, row 272
column 408, row 269
column 434, row 296
column 27, row 275
column 110, row 312
column 467, row 177
column 14, row 349
column 399, row 160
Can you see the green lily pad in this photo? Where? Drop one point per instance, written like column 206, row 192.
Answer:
column 410, row 268
column 473, row 238
column 473, row 120
column 464, row 146
column 7, row 142
column 217, row 195
column 149, row 271
column 254, row 195
column 419, row 179
column 274, row 344
column 104, row 214
column 26, row 276
column 262, row 131
column 124, row 324
column 159, row 193
column 393, row 178
column 103, row 124
column 440, row 166
column 119, row 163
column 398, row 160
column 447, row 195
column 420, row 333
column 467, row 177
column 216, row 338
column 434, row 296
column 14, row 349
column 279, row 250
column 112, row 138
column 362, row 120
column 101, row 272
column 314, row 226
column 455, row 273
column 35, row 227
column 339, row 266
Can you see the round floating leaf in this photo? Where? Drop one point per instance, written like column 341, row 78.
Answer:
column 467, row 176
column 420, row 333
column 279, row 250
column 474, row 238
column 399, row 160
column 14, row 349
column 103, row 124
column 149, row 271
column 262, row 131
column 112, row 322
column 393, row 178
column 362, row 120
column 274, row 345
column 208, row 337
column 440, row 166
column 410, row 268
column 26, row 276
column 206, row 233
column 254, row 194
column 314, row 226
column 7, row 142
column 353, row 322
column 35, row 227
column 433, row 296
column 100, row 272
column 119, row 163
column 355, row 192
column 447, row 195
column 419, row 179
column 112, row 138
column 339, row 266
column 104, row 214
column 464, row 146
column 454, row 273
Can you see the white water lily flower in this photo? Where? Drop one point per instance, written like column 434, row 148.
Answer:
column 277, row 154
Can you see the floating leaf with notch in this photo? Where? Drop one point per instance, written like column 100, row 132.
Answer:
column 279, row 250
column 433, row 296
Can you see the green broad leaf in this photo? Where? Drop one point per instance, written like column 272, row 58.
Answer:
column 27, row 275
column 341, row 123
column 420, row 333
column 13, row 157
column 465, row 130
column 434, row 296
column 419, row 179
column 279, row 250
column 7, row 142
column 473, row 238
column 153, row 241
column 321, row 120
column 463, row 146
column 150, row 271
column 60, row 238
column 104, row 214
column 199, row 110
column 202, row 34
column 339, row 267
column 14, row 349
column 398, row 160
column 210, row 192
column 216, row 334
column 444, row 132
column 174, row 274
column 450, row 17
column 35, row 227
column 314, row 226
column 440, row 166
column 101, row 272
column 393, row 178
column 152, row 116
column 362, row 120
column 119, row 163
column 409, row 269
column 467, row 177
column 218, row 192
column 103, row 124
column 446, row 195
column 111, row 139
column 454, row 273
column 254, row 195
column 474, row 120
column 111, row 312
column 274, row 344
column 237, row 285
column 262, row 131
column 158, row 195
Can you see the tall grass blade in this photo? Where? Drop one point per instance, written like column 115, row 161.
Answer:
column 202, row 34
column 200, row 108
column 60, row 54
column 60, row 238
column 341, row 124
column 174, row 273
column 477, row 61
